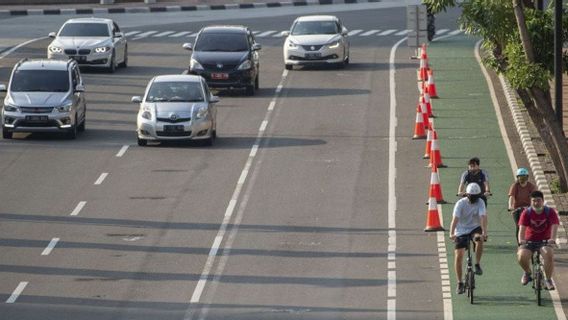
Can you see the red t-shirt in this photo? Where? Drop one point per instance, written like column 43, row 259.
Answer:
column 538, row 225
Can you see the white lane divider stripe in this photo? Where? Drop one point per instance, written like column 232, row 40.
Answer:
column 50, row 246
column 6, row 53
column 78, row 208
column 131, row 33
column 455, row 32
column 354, row 32
column 445, row 274
column 402, row 33
column 266, row 33
column 180, row 34
column 17, row 292
column 101, row 178
column 163, row 34
column 279, row 34
column 122, row 151
column 442, row 31
column 368, row 33
column 144, row 35
column 387, row 32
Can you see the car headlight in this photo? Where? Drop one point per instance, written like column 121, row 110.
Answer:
column 54, row 49
column 10, row 108
column 201, row 113
column 194, row 65
column 292, row 45
column 64, row 108
column 245, row 65
column 334, row 44
column 102, row 49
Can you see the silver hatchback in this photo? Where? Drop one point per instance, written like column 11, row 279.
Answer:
column 44, row 96
column 177, row 107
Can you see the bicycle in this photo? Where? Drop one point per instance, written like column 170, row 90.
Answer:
column 537, row 269
column 469, row 283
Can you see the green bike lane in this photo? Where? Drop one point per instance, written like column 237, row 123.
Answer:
column 467, row 126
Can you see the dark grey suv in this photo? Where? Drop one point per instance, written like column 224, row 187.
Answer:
column 227, row 57
column 44, row 96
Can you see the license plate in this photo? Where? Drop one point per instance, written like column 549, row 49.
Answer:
column 79, row 58
column 315, row 55
column 219, row 76
column 36, row 118
column 176, row 128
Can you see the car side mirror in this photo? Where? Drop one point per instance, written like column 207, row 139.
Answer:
column 51, row 35
column 118, row 35
column 136, row 99
column 3, row 88
column 285, row 33
column 344, row 31
column 80, row 88
column 214, row 99
column 256, row 46
column 187, row 46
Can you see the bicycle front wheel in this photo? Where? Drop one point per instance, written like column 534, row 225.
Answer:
column 470, row 279
column 538, row 287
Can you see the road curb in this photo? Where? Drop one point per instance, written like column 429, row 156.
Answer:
column 178, row 8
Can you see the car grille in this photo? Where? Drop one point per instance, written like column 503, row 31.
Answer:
column 173, row 134
column 40, row 124
column 36, row 109
column 214, row 67
column 173, row 121
column 84, row 51
column 315, row 48
column 70, row 51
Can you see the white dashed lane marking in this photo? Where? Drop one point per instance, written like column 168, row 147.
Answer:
column 101, row 178
column 17, row 292
column 50, row 246
column 78, row 208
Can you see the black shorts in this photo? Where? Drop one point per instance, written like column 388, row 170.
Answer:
column 533, row 246
column 461, row 241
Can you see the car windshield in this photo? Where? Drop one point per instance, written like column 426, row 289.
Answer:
column 40, row 80
column 315, row 27
column 84, row 30
column 225, row 42
column 182, row 91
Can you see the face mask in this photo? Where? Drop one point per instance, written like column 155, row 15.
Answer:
column 523, row 179
column 473, row 198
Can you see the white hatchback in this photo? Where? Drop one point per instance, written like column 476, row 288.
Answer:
column 316, row 40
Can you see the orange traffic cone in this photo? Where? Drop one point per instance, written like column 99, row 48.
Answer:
column 419, row 128
column 435, row 186
column 433, row 217
column 424, row 110
column 435, row 155
column 426, row 96
column 428, row 149
column 423, row 71
column 431, row 85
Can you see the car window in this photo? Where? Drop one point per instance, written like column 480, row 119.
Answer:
column 84, row 30
column 115, row 27
column 181, row 91
column 206, row 89
column 315, row 27
column 74, row 78
column 40, row 80
column 224, row 42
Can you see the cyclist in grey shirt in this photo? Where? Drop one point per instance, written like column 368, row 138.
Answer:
column 469, row 220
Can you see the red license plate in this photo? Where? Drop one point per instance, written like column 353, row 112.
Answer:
column 220, row 76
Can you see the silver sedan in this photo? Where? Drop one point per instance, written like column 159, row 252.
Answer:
column 177, row 107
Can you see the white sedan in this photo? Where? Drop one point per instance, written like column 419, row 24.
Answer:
column 176, row 107
column 316, row 40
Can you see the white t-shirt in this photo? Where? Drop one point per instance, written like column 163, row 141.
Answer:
column 469, row 215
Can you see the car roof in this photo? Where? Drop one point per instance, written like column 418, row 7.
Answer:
column 224, row 29
column 317, row 18
column 177, row 78
column 89, row 20
column 43, row 64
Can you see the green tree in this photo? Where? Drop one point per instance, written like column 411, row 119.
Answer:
column 519, row 40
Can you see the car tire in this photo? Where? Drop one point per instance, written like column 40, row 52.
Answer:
column 142, row 142
column 124, row 63
column 72, row 133
column 249, row 91
column 7, row 134
column 256, row 82
column 112, row 66
column 288, row 66
column 83, row 124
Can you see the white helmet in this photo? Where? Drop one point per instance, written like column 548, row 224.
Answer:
column 473, row 188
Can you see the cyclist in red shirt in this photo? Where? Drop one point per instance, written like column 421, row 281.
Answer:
column 537, row 223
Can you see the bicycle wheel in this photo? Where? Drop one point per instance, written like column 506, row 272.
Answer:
column 538, row 286
column 470, row 285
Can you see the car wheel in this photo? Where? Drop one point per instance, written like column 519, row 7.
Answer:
column 83, row 124
column 72, row 133
column 256, row 83
column 142, row 142
column 250, row 90
column 288, row 66
column 112, row 66
column 124, row 63
column 7, row 134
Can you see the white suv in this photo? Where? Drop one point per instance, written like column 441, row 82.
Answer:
column 44, row 96
column 93, row 42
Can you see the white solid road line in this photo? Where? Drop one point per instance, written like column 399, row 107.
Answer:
column 78, row 208
column 441, row 31
column 387, row 32
column 50, row 246
column 3, row 55
column 122, row 151
column 101, row 178
column 17, row 292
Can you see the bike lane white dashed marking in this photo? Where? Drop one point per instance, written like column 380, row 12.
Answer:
column 50, row 246
column 17, row 292
column 78, row 208
column 122, row 151
column 101, row 178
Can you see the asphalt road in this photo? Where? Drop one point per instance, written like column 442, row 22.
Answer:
column 301, row 223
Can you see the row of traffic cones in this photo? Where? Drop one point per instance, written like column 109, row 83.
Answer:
column 424, row 129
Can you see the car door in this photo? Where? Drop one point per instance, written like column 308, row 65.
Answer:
column 212, row 106
column 78, row 97
column 255, row 56
column 119, row 42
